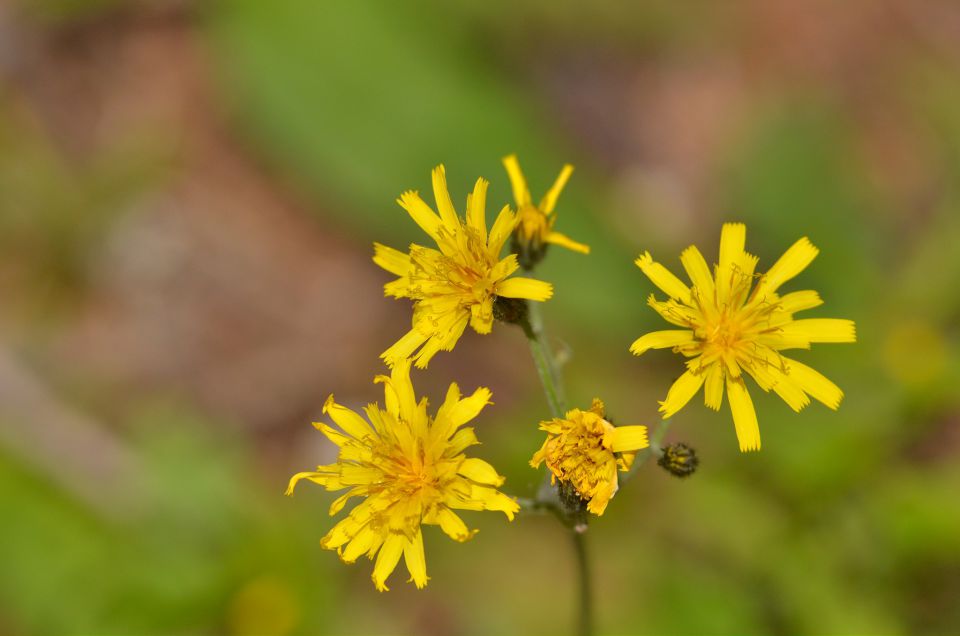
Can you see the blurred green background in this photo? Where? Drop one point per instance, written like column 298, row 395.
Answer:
column 188, row 196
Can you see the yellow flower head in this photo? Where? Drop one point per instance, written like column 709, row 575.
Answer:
column 585, row 450
column 411, row 470
column 535, row 229
column 729, row 329
column 457, row 283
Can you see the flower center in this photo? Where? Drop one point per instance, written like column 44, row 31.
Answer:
column 415, row 480
column 411, row 479
column 725, row 333
column 465, row 272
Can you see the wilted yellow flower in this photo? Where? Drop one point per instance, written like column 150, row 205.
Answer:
column 412, row 472
column 535, row 229
column 585, row 450
column 729, row 329
column 459, row 282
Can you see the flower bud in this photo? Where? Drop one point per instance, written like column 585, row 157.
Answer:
column 511, row 310
column 528, row 247
column 679, row 460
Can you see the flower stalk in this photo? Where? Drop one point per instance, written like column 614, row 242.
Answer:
column 585, row 605
column 544, row 360
column 549, row 498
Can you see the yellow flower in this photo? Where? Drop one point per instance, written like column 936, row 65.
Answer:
column 585, row 450
column 729, row 329
column 459, row 282
column 412, row 472
column 535, row 229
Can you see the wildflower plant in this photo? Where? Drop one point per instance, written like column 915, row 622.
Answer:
column 408, row 464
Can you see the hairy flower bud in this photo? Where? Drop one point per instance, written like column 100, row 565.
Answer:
column 680, row 460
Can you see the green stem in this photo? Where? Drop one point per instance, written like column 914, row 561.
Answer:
column 547, row 499
column 585, row 616
column 544, row 360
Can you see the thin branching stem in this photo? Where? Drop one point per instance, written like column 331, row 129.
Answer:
column 544, row 360
column 547, row 500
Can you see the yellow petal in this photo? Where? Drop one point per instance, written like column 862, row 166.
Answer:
column 387, row 560
column 821, row 330
column 341, row 501
column 451, row 399
column 674, row 312
column 359, row 545
column 476, row 209
column 713, row 387
column 800, row 300
column 746, row 264
column 347, row 529
column 790, row 392
column 354, row 475
column 602, row 496
column 420, row 421
column 744, row 415
column 480, row 471
column 403, row 348
column 629, row 438
column 416, row 560
column 452, row 525
column 733, row 239
column 399, row 288
column 814, row 383
column 794, row 260
column 769, row 374
column 521, row 193
column 461, row 440
column 662, row 277
column 698, row 271
column 525, row 288
column 549, row 201
column 468, row 408
column 400, row 380
column 394, row 261
column 596, row 407
column 450, row 332
column 319, row 478
column 564, row 241
column 332, row 434
column 442, row 196
column 507, row 266
column 502, row 229
column 442, row 426
column 481, row 316
column 452, row 327
column 391, row 398
column 496, row 501
column 661, row 340
column 680, row 393
column 430, row 348
column 350, row 422
column 421, row 213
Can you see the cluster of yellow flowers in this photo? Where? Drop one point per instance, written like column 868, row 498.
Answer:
column 410, row 467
